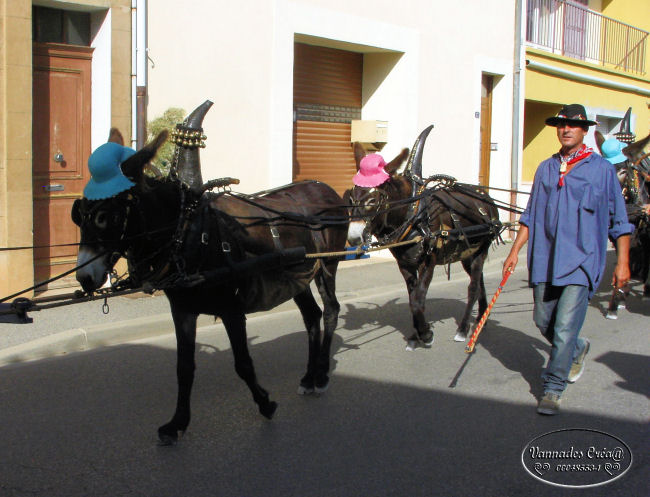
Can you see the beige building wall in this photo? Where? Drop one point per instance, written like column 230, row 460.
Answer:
column 112, row 106
column 16, row 267
column 423, row 62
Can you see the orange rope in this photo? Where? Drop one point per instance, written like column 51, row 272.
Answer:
column 472, row 340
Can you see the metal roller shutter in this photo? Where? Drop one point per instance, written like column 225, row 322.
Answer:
column 327, row 96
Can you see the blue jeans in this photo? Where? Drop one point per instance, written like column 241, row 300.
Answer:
column 559, row 314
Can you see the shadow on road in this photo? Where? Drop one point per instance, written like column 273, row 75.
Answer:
column 632, row 368
column 85, row 425
column 515, row 350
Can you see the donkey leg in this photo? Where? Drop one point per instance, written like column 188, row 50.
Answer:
column 235, row 324
column 417, row 284
column 185, row 324
column 475, row 291
column 311, row 315
column 326, row 284
column 612, row 308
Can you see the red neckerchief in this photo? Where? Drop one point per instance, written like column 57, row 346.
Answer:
column 571, row 159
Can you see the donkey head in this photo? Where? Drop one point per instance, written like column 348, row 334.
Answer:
column 635, row 151
column 371, row 197
column 640, row 162
column 368, row 203
column 107, row 224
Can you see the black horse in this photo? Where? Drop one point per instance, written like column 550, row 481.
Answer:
column 634, row 177
column 451, row 222
column 221, row 254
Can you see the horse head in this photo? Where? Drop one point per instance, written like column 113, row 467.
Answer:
column 111, row 218
column 372, row 207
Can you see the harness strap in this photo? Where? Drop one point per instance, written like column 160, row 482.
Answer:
column 226, row 247
column 275, row 235
column 459, row 226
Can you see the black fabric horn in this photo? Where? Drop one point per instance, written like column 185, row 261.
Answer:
column 414, row 164
column 625, row 133
column 189, row 137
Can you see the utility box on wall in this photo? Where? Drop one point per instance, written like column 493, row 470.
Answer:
column 372, row 135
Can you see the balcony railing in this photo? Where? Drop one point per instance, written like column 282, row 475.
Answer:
column 572, row 30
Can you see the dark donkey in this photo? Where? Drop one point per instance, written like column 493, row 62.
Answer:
column 221, row 254
column 456, row 222
column 634, row 175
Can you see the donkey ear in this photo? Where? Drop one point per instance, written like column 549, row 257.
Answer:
column 359, row 153
column 115, row 136
column 395, row 164
column 75, row 212
column 600, row 139
column 133, row 167
column 346, row 196
column 634, row 151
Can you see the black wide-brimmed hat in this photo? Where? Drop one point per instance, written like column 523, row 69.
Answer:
column 572, row 114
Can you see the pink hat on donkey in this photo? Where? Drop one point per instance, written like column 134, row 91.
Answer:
column 371, row 171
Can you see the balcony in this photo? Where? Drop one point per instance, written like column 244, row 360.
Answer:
column 572, row 30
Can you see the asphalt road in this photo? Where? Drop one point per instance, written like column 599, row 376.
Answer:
column 393, row 423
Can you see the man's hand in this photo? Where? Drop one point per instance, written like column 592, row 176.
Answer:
column 621, row 276
column 622, row 269
column 513, row 257
column 510, row 263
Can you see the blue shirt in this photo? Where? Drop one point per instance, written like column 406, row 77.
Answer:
column 569, row 225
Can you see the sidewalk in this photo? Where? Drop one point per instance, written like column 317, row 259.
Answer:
column 84, row 326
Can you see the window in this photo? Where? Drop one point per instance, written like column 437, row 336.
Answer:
column 607, row 124
column 61, row 26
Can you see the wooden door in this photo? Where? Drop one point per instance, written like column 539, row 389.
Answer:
column 487, row 82
column 60, row 150
column 574, row 33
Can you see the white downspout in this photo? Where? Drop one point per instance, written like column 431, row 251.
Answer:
column 141, row 72
column 538, row 66
column 134, row 73
column 517, row 100
column 138, row 72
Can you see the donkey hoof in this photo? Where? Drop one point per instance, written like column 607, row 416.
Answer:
column 460, row 337
column 268, row 410
column 611, row 315
column 305, row 390
column 426, row 340
column 168, row 436
column 322, row 385
column 306, row 386
column 166, row 440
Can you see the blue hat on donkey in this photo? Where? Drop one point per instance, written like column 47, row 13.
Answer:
column 107, row 179
column 612, row 150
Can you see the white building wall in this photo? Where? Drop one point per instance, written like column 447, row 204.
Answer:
column 422, row 65
column 101, row 77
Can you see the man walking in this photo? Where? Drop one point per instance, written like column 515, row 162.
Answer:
column 574, row 205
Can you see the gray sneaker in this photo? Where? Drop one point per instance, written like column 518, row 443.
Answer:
column 578, row 366
column 549, row 404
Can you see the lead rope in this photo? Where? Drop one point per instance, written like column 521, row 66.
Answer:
column 472, row 340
